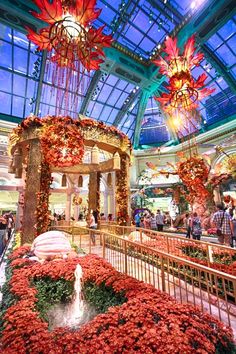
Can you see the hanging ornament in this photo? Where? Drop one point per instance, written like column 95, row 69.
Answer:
column 184, row 90
column 80, row 181
column 109, row 179
column 74, row 46
column 64, row 180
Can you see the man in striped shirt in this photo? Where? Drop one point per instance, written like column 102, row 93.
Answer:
column 222, row 221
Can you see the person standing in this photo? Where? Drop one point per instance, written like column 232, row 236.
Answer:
column 187, row 224
column 147, row 221
column 153, row 222
column 159, row 220
column 196, row 227
column 10, row 225
column 223, row 223
column 93, row 222
column 137, row 220
column 3, row 228
column 173, row 211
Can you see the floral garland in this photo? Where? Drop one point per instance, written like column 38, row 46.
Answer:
column 61, row 141
column 87, row 122
column 61, row 137
column 122, row 192
column 149, row 322
column 42, row 214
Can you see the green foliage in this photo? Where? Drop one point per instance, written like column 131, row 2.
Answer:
column 194, row 252
column 51, row 292
column 224, row 258
column 102, row 297
column 227, row 348
column 77, row 248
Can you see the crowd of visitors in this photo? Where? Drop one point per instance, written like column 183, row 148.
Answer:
column 223, row 223
column 148, row 220
column 6, row 228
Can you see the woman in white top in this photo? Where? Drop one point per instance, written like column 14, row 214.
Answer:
column 93, row 223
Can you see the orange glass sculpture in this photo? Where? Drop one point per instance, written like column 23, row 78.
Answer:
column 184, row 90
column 74, row 46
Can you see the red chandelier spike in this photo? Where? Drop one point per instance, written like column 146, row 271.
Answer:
column 74, row 45
column 184, row 90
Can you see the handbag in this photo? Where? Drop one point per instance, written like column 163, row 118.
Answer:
column 218, row 231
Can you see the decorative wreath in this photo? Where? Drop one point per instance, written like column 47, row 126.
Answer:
column 62, row 142
column 77, row 200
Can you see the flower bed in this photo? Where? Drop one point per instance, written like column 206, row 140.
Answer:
column 146, row 320
column 223, row 260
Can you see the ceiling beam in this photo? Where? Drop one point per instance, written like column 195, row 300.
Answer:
column 40, row 83
column 141, row 109
column 219, row 66
column 156, row 4
column 93, row 84
column 125, row 107
column 205, row 22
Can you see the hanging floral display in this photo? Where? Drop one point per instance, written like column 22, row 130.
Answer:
column 184, row 90
column 229, row 165
column 73, row 44
column 194, row 173
column 61, row 141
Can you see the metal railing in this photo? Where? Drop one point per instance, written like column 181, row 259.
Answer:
column 211, row 290
column 208, row 253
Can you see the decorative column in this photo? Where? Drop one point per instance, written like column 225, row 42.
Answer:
column 123, row 191
column 68, row 205
column 94, row 192
column 32, row 188
column 105, row 194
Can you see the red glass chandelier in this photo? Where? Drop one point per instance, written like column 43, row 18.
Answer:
column 73, row 44
column 184, row 90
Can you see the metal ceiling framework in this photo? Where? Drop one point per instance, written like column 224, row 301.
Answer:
column 127, row 65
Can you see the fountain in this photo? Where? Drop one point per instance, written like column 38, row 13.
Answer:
column 75, row 313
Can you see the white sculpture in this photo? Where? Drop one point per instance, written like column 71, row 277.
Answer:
column 50, row 244
column 173, row 211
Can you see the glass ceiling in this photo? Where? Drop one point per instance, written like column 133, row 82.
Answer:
column 153, row 128
column 140, row 26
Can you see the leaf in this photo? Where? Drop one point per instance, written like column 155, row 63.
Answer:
column 84, row 11
column 41, row 40
column 197, row 59
column 189, row 48
column 171, row 48
column 205, row 92
column 162, row 64
column 50, row 12
column 200, row 80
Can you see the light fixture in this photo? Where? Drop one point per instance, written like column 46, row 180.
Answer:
column 184, row 90
column 72, row 43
